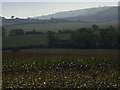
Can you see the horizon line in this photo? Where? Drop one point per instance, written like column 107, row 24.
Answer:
column 60, row 12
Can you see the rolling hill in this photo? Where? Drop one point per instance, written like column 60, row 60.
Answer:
column 99, row 14
column 69, row 20
column 86, row 15
column 75, row 13
column 109, row 14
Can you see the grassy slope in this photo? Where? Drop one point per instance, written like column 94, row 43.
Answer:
column 27, row 40
column 24, row 40
column 58, row 26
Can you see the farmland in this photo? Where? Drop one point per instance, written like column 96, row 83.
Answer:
column 54, row 68
column 27, row 40
column 64, row 49
column 24, row 40
column 59, row 26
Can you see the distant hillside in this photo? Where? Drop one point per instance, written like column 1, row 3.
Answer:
column 8, row 22
column 74, row 13
column 95, row 15
column 109, row 14
column 80, row 13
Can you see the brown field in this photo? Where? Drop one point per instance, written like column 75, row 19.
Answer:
column 63, row 69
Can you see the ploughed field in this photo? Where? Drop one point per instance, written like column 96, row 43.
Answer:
column 27, row 69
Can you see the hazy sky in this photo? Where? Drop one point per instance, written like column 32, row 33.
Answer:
column 30, row 9
column 60, row 0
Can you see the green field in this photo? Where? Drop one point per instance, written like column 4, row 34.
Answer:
column 24, row 40
column 58, row 26
column 29, row 40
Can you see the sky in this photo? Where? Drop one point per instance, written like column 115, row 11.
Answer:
column 60, row 0
column 30, row 9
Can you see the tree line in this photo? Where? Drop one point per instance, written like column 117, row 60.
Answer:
column 83, row 38
column 16, row 32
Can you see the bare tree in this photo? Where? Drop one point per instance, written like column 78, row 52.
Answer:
column 12, row 17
